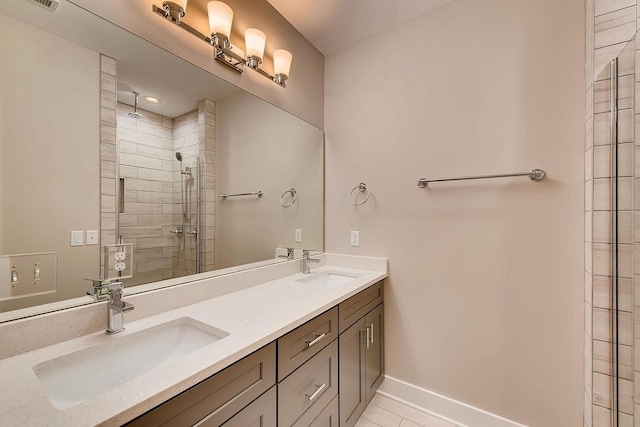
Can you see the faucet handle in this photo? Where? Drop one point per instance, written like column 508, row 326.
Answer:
column 115, row 288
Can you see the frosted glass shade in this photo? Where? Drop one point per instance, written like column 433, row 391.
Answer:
column 254, row 41
column 220, row 18
column 282, row 62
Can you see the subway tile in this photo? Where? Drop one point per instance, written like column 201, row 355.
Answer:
column 157, row 219
column 128, row 220
column 107, row 65
column 108, row 100
column 601, row 227
column 153, row 242
column 601, row 319
column 143, row 208
column 603, row 56
column 602, row 7
column 601, row 162
column 108, row 220
column 588, row 319
column 590, row 102
column 108, row 152
column 156, row 175
column 125, row 124
column 615, row 27
column 625, row 260
column 625, row 193
column 588, row 288
column 140, row 231
column 108, row 134
column 107, row 117
column 626, row 92
column 602, row 359
column 602, row 292
column 133, row 135
column 625, row 396
column 601, row 259
column 155, row 152
column 625, row 294
column 107, row 168
column 601, row 129
column 107, row 82
column 155, row 197
column 601, row 96
column 107, row 204
column 128, row 147
column 140, row 161
column 128, row 171
column 142, row 184
column 108, row 186
column 601, row 391
column 154, row 130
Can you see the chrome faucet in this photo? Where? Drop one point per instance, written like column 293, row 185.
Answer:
column 289, row 255
column 115, row 309
column 306, row 259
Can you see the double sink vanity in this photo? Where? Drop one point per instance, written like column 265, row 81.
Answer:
column 291, row 349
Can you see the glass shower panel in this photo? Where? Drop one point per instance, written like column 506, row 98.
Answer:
column 610, row 205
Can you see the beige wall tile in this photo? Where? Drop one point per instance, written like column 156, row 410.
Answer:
column 602, row 7
column 615, row 27
column 601, row 259
column 601, row 392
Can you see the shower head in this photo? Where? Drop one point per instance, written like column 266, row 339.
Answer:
column 179, row 156
column 135, row 113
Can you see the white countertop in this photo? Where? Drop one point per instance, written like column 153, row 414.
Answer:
column 253, row 317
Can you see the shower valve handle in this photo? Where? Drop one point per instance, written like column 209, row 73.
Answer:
column 176, row 231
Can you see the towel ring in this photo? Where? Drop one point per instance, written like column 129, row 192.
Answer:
column 293, row 194
column 362, row 187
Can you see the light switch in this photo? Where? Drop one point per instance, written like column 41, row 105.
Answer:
column 298, row 235
column 92, row 237
column 77, row 238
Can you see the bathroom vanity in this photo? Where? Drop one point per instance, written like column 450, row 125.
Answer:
column 288, row 352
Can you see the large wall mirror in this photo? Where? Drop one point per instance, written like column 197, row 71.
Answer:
column 106, row 138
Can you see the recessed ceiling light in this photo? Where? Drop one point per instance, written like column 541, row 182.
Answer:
column 152, row 100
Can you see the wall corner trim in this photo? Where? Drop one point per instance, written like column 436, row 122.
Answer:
column 437, row 405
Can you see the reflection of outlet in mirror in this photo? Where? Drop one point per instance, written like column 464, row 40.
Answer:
column 92, row 237
column 355, row 238
column 120, row 266
column 77, row 238
column 298, row 235
column 120, row 256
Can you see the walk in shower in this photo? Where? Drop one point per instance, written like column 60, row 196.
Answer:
column 161, row 208
column 611, row 181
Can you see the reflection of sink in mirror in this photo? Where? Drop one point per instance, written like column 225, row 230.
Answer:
column 328, row 279
column 94, row 370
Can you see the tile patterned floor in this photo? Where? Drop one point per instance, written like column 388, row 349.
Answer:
column 384, row 412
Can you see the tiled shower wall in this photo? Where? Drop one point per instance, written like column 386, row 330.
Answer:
column 146, row 164
column 610, row 24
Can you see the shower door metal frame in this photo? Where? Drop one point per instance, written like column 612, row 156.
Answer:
column 615, row 391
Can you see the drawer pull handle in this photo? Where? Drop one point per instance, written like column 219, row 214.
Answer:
column 368, row 336
column 372, row 333
column 317, row 392
column 315, row 341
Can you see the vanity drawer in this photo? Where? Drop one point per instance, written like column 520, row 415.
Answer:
column 260, row 413
column 358, row 305
column 302, row 343
column 220, row 397
column 309, row 389
column 328, row 417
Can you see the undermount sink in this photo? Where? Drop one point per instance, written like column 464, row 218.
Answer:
column 73, row 378
column 328, row 279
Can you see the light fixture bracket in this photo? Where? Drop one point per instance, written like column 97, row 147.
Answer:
column 223, row 50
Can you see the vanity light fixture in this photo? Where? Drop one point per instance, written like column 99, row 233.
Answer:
column 174, row 10
column 220, row 22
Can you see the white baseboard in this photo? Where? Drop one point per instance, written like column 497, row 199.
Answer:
column 440, row 406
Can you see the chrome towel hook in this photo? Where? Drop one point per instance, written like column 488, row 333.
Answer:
column 362, row 188
column 293, row 198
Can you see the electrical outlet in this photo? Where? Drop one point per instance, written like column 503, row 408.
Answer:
column 355, row 238
column 120, row 256
column 298, row 235
column 120, row 266
column 77, row 238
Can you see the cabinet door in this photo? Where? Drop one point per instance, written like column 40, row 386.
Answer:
column 352, row 372
column 261, row 413
column 374, row 371
column 328, row 417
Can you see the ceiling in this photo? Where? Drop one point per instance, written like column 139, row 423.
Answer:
column 139, row 61
column 332, row 25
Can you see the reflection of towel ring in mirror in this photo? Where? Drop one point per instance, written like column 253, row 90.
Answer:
column 293, row 200
column 362, row 187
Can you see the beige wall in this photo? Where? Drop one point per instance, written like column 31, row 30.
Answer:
column 303, row 96
column 484, row 299
column 274, row 154
column 49, row 110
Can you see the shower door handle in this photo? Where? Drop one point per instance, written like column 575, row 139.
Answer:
column 176, row 231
